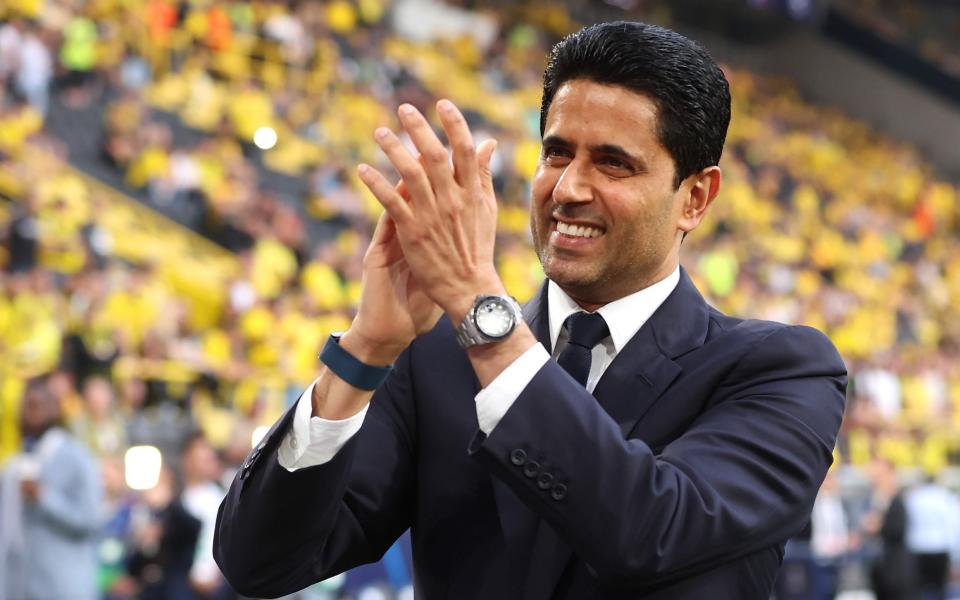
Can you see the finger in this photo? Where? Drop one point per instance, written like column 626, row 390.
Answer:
column 484, row 154
column 385, row 193
column 417, row 183
column 461, row 142
column 433, row 154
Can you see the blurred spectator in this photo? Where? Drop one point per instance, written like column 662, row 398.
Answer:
column 164, row 544
column 10, row 38
column 116, row 533
column 50, row 508
column 101, row 427
column 78, row 56
column 34, row 68
column 22, row 237
column 893, row 575
column 829, row 538
column 201, row 497
column 933, row 535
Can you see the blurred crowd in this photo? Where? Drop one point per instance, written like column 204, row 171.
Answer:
column 930, row 28
column 821, row 221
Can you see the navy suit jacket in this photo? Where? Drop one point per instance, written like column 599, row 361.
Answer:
column 698, row 455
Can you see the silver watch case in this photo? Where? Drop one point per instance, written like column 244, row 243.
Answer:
column 469, row 333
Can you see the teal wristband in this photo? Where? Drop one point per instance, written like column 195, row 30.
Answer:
column 348, row 368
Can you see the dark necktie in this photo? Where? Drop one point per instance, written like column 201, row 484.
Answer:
column 585, row 330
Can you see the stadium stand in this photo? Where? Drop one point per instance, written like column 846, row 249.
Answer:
column 931, row 29
column 181, row 215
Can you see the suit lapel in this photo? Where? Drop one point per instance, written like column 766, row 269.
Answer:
column 635, row 380
column 536, row 314
column 645, row 368
column 630, row 386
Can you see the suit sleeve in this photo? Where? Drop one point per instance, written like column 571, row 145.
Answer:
column 279, row 531
column 742, row 477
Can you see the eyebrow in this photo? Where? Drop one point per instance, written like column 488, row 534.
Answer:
column 609, row 149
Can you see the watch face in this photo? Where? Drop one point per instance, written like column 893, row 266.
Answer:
column 494, row 318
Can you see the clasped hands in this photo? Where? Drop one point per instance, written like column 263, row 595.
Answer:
column 432, row 250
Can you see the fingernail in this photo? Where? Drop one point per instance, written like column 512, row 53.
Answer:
column 445, row 106
column 407, row 109
column 381, row 132
column 362, row 169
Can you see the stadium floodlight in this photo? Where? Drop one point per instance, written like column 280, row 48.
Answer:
column 142, row 467
column 265, row 138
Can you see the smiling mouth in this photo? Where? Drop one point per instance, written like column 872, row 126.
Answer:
column 578, row 231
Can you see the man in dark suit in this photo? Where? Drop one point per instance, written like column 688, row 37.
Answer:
column 668, row 452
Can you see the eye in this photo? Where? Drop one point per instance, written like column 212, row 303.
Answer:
column 555, row 152
column 616, row 163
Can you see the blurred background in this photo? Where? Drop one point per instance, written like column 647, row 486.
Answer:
column 181, row 227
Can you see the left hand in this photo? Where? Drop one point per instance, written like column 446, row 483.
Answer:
column 447, row 228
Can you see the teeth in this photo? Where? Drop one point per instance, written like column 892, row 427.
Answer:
column 577, row 230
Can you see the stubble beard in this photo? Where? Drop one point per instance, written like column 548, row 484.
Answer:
column 598, row 279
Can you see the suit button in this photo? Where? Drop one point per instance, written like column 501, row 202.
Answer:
column 518, row 457
column 559, row 492
column 544, row 481
column 531, row 469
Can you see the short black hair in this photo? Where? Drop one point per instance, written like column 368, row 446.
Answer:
column 689, row 89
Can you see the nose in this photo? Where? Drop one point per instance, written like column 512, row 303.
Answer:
column 573, row 185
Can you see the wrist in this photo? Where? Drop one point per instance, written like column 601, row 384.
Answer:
column 370, row 351
column 462, row 303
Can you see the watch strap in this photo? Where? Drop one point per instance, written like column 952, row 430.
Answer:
column 351, row 369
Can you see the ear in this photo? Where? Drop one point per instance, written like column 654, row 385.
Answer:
column 701, row 188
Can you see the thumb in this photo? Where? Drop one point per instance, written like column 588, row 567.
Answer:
column 484, row 154
column 384, row 231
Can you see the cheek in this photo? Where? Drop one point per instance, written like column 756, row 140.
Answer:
column 541, row 187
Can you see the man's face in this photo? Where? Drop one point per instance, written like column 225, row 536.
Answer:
column 602, row 167
column 39, row 411
column 200, row 462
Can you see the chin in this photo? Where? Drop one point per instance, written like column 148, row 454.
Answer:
column 571, row 279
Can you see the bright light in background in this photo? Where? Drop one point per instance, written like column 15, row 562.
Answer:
column 142, row 467
column 265, row 138
column 258, row 434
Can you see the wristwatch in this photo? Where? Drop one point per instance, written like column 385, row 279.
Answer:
column 491, row 319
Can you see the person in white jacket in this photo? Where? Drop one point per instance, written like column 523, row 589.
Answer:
column 50, row 508
column 933, row 534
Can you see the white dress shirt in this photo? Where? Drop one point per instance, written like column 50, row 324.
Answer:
column 314, row 441
column 933, row 520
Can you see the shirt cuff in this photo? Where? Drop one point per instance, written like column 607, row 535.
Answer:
column 496, row 399
column 314, row 441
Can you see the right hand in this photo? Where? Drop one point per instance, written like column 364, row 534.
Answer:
column 393, row 307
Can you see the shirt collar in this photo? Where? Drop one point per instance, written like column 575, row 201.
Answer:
column 624, row 316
